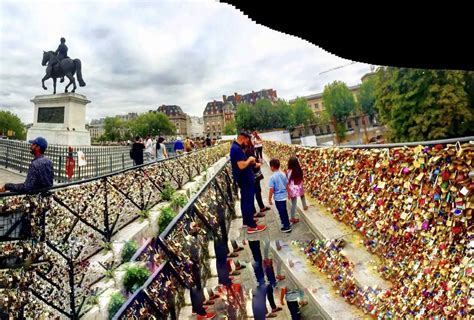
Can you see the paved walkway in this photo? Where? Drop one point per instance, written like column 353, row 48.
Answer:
column 300, row 231
column 7, row 176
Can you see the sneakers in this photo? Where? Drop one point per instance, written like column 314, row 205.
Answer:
column 305, row 208
column 259, row 228
column 265, row 209
column 246, row 226
column 294, row 220
column 286, row 230
column 233, row 255
column 280, row 277
column 207, row 316
column 259, row 214
column 271, row 315
column 277, row 309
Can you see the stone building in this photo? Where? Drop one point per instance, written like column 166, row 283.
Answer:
column 177, row 117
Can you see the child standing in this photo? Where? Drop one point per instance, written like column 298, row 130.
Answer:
column 295, row 186
column 278, row 185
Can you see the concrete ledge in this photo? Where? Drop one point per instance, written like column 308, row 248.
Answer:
column 314, row 285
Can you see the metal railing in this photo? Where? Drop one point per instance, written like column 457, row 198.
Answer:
column 47, row 237
column 182, row 244
column 100, row 160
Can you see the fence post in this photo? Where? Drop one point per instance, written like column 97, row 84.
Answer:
column 110, row 157
column 96, row 166
column 123, row 162
column 7, row 156
column 60, row 166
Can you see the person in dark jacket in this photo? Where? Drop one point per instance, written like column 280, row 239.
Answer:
column 40, row 173
column 137, row 151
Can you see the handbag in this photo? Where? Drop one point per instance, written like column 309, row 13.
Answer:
column 258, row 176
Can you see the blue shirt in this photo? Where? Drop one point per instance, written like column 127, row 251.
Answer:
column 178, row 145
column 244, row 178
column 40, row 175
column 278, row 182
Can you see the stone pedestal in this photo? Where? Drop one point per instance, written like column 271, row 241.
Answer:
column 61, row 119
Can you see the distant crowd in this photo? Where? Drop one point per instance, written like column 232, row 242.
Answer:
column 149, row 149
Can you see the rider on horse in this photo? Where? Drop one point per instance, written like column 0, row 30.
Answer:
column 61, row 53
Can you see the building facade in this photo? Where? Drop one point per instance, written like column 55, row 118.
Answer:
column 218, row 113
column 195, row 127
column 177, row 117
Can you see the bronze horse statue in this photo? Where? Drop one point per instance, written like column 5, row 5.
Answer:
column 66, row 67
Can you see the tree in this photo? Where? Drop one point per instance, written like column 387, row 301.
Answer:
column 302, row 114
column 113, row 127
column 230, row 128
column 153, row 123
column 366, row 101
column 10, row 122
column 244, row 117
column 284, row 116
column 339, row 103
column 421, row 105
column 366, row 96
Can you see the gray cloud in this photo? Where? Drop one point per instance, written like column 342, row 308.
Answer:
column 139, row 55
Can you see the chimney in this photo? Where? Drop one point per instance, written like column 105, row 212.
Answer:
column 224, row 98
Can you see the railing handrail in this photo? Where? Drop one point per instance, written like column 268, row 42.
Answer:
column 399, row 144
column 117, row 172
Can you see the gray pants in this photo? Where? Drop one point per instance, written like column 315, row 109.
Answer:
column 293, row 205
column 266, row 255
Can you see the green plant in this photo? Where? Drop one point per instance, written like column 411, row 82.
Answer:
column 110, row 273
column 179, row 200
column 134, row 277
column 144, row 214
column 129, row 250
column 93, row 298
column 167, row 192
column 106, row 246
column 116, row 301
column 166, row 216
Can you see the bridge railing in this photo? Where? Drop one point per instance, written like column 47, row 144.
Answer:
column 47, row 238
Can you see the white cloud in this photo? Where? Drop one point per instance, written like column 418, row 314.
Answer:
column 139, row 55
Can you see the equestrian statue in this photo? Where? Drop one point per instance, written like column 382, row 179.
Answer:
column 60, row 65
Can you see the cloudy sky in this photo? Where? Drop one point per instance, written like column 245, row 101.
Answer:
column 138, row 55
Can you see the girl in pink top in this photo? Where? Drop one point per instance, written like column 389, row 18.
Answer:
column 295, row 186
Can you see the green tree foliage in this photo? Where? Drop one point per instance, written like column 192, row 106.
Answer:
column 244, row 117
column 338, row 101
column 339, row 104
column 113, row 127
column 153, row 123
column 266, row 116
column 366, row 96
column 135, row 277
column 230, row 128
column 421, row 105
column 116, row 302
column 10, row 121
column 302, row 114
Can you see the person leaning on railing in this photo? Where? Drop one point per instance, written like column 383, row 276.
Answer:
column 40, row 173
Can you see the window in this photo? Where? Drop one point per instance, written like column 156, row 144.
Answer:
column 316, row 106
column 328, row 127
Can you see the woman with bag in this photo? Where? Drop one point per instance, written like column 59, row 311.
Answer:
column 295, row 186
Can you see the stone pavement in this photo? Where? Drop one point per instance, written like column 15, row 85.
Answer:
column 7, row 176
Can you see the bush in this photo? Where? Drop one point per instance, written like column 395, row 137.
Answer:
column 179, row 200
column 129, row 249
column 116, row 301
column 167, row 215
column 167, row 192
column 134, row 277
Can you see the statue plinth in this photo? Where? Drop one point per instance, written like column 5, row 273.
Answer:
column 61, row 119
